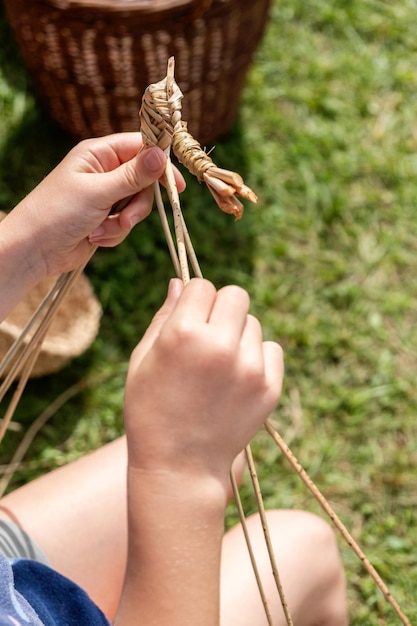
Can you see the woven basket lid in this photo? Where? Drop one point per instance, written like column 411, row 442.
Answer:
column 145, row 6
column 72, row 330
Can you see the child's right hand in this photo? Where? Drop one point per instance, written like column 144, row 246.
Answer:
column 200, row 383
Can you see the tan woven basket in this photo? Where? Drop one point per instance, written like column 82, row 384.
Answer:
column 91, row 60
column 73, row 328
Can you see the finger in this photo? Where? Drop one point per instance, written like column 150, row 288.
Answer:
column 137, row 210
column 117, row 227
column 274, row 370
column 230, row 311
column 141, row 171
column 175, row 289
column 145, row 166
column 123, row 148
column 179, row 180
column 130, row 200
column 108, row 242
column 252, row 344
column 110, row 232
column 128, row 179
column 195, row 304
column 104, row 154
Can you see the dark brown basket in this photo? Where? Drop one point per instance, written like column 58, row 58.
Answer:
column 91, row 60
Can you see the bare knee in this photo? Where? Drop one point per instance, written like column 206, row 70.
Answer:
column 320, row 570
column 309, row 568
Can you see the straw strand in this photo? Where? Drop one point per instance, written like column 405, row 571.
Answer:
column 296, row 465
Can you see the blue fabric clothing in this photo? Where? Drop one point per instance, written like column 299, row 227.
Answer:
column 33, row 594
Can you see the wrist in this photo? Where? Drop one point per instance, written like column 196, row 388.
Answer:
column 181, row 489
column 175, row 531
column 153, row 453
column 22, row 263
column 196, row 505
column 23, row 233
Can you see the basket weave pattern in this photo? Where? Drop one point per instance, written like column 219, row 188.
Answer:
column 72, row 329
column 92, row 60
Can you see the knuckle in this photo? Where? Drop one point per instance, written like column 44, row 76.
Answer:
column 254, row 377
column 178, row 337
column 236, row 292
column 254, row 324
column 131, row 176
column 223, row 353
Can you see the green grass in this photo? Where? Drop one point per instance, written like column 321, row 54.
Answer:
column 327, row 137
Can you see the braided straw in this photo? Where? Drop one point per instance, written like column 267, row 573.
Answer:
column 161, row 125
column 160, row 114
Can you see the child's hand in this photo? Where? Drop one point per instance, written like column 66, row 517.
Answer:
column 69, row 210
column 200, row 384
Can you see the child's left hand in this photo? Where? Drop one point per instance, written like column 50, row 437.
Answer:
column 69, row 210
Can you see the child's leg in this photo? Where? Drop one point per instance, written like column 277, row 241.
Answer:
column 309, row 567
column 77, row 516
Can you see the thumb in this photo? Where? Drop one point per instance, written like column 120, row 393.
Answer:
column 174, row 291
column 135, row 175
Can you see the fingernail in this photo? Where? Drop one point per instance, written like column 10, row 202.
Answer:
column 153, row 160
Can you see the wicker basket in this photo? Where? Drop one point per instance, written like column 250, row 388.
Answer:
column 72, row 330
column 91, row 60
column 74, row 326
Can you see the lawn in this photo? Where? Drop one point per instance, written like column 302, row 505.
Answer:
column 326, row 135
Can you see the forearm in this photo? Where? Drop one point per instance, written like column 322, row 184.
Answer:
column 22, row 266
column 175, row 534
column 200, row 384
